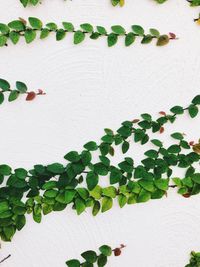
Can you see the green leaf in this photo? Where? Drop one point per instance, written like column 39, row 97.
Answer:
column 196, row 178
column 21, row 87
column 92, row 180
column 60, row 35
column 79, row 36
column 196, row 100
column 4, row 29
column 138, row 30
column 122, row 200
column 3, row 40
column 118, row 29
column 129, row 39
column 177, row 136
column 109, row 191
column 174, row 149
column 154, row 32
column 73, row 263
column 66, row 197
column 144, row 196
column 90, row 256
column 157, row 142
column 44, row 33
column 102, row 260
column 14, row 37
column 162, row 184
column 51, row 193
column 87, row 27
column 151, row 153
column 68, row 26
column 13, row 95
column 80, row 206
column 17, row 25
column 115, row 176
column 146, row 39
column 52, row 26
column 96, row 208
column 177, row 110
column 107, row 203
column 91, row 146
column 72, row 156
column 4, row 85
column 96, row 192
column 162, row 40
column 55, row 168
column 147, row 185
column 1, row 98
column 100, row 169
column 35, row 23
column 106, row 250
column 30, row 36
column 21, row 173
column 193, row 111
column 101, row 30
column 112, row 39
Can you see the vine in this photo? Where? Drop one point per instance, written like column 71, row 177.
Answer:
column 91, row 257
column 53, row 187
column 20, row 89
column 194, row 260
column 19, row 28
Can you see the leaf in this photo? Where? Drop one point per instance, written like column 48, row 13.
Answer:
column 102, row 260
column 3, row 40
column 30, row 96
column 80, row 206
column 177, row 136
column 55, row 168
column 154, row 32
column 72, row 156
column 30, row 36
column 91, row 146
column 125, row 147
column 68, row 26
column 109, row 191
column 196, row 100
column 96, row 192
column 138, row 30
column 100, row 169
column 13, row 95
column 4, row 85
column 101, row 30
column 177, row 110
column 107, row 203
column 73, row 263
column 4, row 29
column 14, row 37
column 106, row 250
column 162, row 40
column 21, row 87
column 66, row 197
column 35, row 23
column 193, row 111
column 92, row 180
column 79, row 36
column 17, row 25
column 1, row 98
column 162, row 184
column 129, row 39
column 96, row 208
column 118, row 29
column 90, row 256
column 87, row 27
column 112, row 39
column 60, row 35
column 122, row 200
column 196, row 178
column 144, row 196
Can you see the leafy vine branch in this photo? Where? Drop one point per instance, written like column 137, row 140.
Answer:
column 91, row 257
column 194, row 260
column 44, row 189
column 19, row 28
column 20, row 89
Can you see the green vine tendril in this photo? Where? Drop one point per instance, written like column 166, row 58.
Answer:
column 20, row 89
column 53, row 187
column 19, row 28
column 91, row 257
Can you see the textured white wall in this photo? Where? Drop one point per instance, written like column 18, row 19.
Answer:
column 90, row 87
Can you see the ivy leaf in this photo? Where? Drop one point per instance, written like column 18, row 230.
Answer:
column 87, row 27
column 177, row 110
column 193, row 111
column 14, row 37
column 30, row 36
column 107, row 203
column 80, row 206
column 144, row 196
column 55, row 168
column 154, row 32
column 5, row 169
column 162, row 40
column 4, row 29
column 129, row 39
column 90, row 256
column 79, row 36
column 72, row 156
column 73, row 263
column 91, row 146
column 17, row 25
column 112, row 39
column 21, row 87
column 138, row 30
column 102, row 260
column 196, row 100
column 101, row 30
column 92, row 180
column 3, row 40
column 60, row 35
column 1, row 98
column 35, row 23
column 96, row 208
column 68, row 26
column 13, row 95
column 4, row 85
column 118, row 29
column 106, row 250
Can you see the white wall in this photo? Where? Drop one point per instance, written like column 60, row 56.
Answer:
column 90, row 87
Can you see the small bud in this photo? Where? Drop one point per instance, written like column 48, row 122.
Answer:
column 162, row 129
column 187, row 195
column 162, row 113
column 172, row 35
column 135, row 120
column 191, row 143
column 117, row 252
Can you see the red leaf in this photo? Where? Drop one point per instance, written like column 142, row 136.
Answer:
column 117, row 252
column 162, row 129
column 30, row 96
column 41, row 92
column 172, row 35
column 135, row 121
column 187, row 195
column 162, row 113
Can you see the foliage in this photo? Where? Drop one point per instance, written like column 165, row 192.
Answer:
column 194, row 260
column 19, row 89
column 91, row 257
column 45, row 189
column 17, row 29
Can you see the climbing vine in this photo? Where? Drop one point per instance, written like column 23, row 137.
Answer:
column 20, row 89
column 194, row 260
column 44, row 189
column 91, row 257
column 21, row 29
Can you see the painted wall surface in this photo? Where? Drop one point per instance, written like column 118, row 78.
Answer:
column 90, row 87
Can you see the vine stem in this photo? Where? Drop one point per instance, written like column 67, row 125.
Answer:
column 5, row 258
